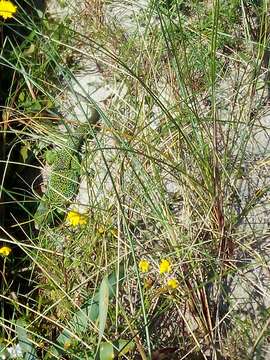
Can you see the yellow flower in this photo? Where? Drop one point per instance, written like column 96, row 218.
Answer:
column 173, row 283
column 5, row 250
column 76, row 219
column 7, row 9
column 67, row 344
column 144, row 266
column 164, row 266
column 101, row 229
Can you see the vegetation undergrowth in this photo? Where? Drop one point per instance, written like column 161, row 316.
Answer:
column 153, row 238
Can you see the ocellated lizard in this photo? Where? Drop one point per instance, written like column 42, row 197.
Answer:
column 64, row 177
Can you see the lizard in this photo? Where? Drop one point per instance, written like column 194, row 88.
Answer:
column 64, row 176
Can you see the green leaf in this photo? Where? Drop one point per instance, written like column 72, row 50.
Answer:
column 106, row 351
column 109, row 351
column 30, row 50
column 88, row 313
column 24, row 152
column 103, row 306
column 22, row 96
column 29, row 352
column 36, row 106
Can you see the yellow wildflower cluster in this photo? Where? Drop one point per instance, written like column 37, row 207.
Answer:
column 164, row 268
column 7, row 9
column 75, row 219
column 5, row 250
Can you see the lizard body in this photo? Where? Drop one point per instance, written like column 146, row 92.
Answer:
column 63, row 180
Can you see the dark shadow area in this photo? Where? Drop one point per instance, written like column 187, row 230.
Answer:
column 17, row 174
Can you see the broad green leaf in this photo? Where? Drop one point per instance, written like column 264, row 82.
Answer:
column 103, row 306
column 106, row 351
column 116, row 349
column 27, row 346
column 88, row 313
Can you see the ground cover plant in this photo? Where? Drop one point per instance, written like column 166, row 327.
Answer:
column 134, row 220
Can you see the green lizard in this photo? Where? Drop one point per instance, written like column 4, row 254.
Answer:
column 63, row 181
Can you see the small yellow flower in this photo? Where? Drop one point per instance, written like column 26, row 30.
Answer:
column 76, row 219
column 164, row 266
column 101, row 229
column 7, row 9
column 173, row 283
column 67, row 344
column 5, row 250
column 144, row 266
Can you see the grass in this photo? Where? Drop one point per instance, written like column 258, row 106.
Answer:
column 177, row 169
